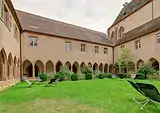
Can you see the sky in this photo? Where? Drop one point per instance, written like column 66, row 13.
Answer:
column 92, row 14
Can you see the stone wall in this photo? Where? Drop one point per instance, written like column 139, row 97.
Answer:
column 6, row 84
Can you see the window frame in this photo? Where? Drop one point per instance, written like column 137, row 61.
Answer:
column 138, row 44
column 96, row 49
column 66, row 45
column 83, row 47
column 105, row 51
column 158, row 37
column 33, row 41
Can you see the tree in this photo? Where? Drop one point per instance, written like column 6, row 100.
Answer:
column 125, row 57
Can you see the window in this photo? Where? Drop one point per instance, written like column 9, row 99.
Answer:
column 10, row 22
column 33, row 41
column 83, row 47
column 122, row 46
column 6, row 16
column 68, row 46
column 15, row 31
column 158, row 38
column 96, row 49
column 105, row 50
column 121, row 32
column 137, row 44
column 1, row 9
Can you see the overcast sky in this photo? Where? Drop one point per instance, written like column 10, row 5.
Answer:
column 92, row 14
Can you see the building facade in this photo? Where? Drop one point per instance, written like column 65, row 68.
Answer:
column 9, row 43
column 137, row 28
column 30, row 43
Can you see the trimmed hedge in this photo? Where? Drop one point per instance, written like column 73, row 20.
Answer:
column 74, row 77
column 88, row 76
column 60, row 75
column 43, row 76
column 102, row 76
column 109, row 75
column 140, row 76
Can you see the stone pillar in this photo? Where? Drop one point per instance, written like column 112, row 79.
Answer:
column 33, row 71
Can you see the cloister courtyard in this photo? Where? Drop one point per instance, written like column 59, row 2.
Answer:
column 86, row 96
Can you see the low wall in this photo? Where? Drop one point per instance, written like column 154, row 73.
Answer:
column 5, row 84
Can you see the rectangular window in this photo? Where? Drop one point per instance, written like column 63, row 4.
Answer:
column 33, row 41
column 137, row 44
column 105, row 50
column 158, row 38
column 96, row 49
column 83, row 47
column 68, row 46
column 10, row 22
column 122, row 46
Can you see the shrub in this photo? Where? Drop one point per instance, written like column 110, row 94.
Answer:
column 88, row 76
column 86, row 69
column 43, row 76
column 140, row 76
column 60, row 75
column 124, row 75
column 74, row 77
column 146, row 69
column 102, row 76
column 109, row 75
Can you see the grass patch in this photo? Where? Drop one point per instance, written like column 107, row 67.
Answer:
column 94, row 96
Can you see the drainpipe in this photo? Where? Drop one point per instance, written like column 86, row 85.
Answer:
column 21, row 76
column 113, row 58
column 152, row 10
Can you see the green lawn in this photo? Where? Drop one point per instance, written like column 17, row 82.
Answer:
column 95, row 96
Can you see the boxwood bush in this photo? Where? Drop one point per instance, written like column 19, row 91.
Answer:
column 43, row 76
column 140, row 76
column 109, row 75
column 74, row 77
column 102, row 75
column 88, row 76
column 60, row 75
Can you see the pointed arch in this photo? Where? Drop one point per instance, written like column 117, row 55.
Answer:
column 131, row 67
column 106, row 68
column 75, row 67
column 154, row 63
column 90, row 65
column 82, row 65
column 140, row 63
column 101, row 67
column 49, row 67
column 3, row 65
column 39, row 67
column 68, row 65
column 111, row 68
column 27, row 68
column 10, row 66
column 58, row 66
column 15, row 67
column 95, row 66
column 117, row 67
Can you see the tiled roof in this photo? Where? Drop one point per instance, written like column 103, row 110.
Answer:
column 129, row 8
column 35, row 23
column 145, row 29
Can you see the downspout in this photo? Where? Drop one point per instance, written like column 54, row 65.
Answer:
column 113, row 58
column 152, row 10
column 21, row 76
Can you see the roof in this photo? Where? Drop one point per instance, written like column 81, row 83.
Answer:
column 130, row 8
column 39, row 24
column 140, row 31
column 11, row 8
